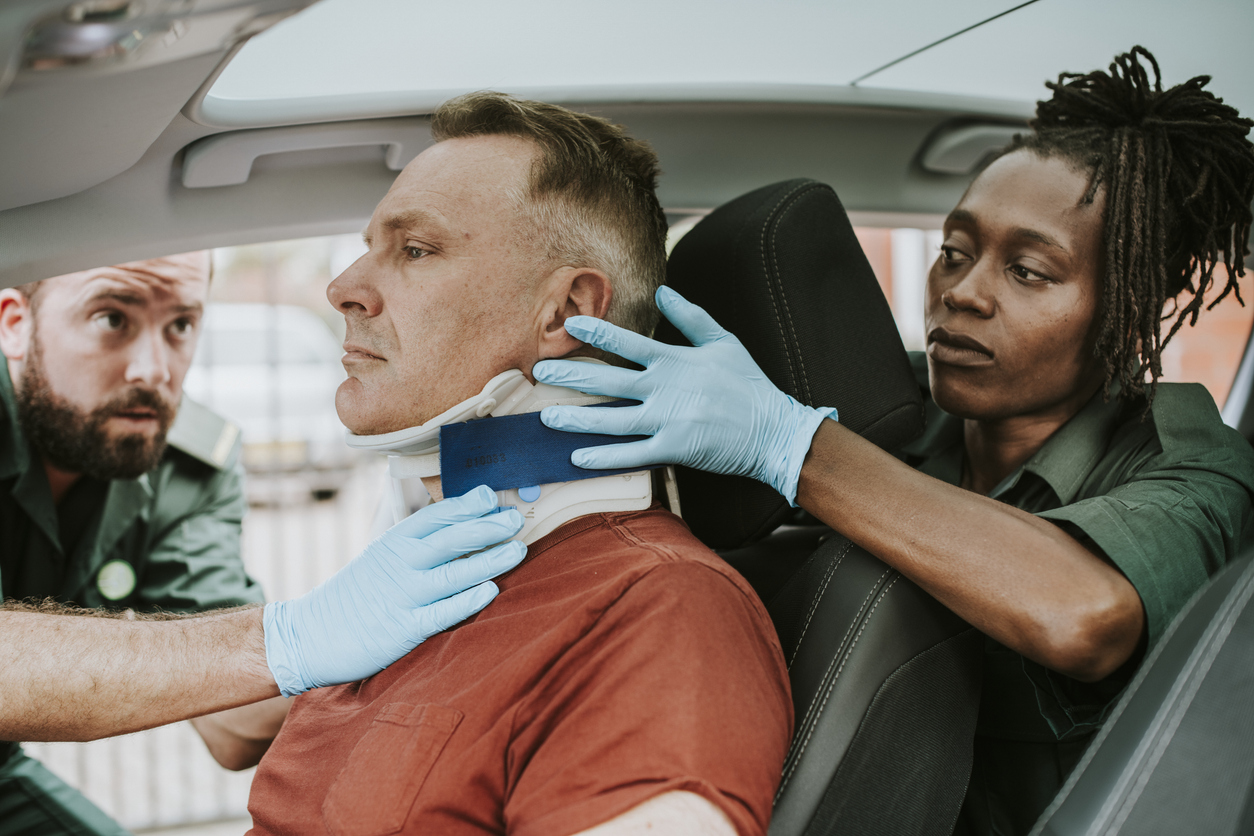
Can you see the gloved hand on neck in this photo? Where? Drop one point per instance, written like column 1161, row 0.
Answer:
column 708, row 406
column 405, row 587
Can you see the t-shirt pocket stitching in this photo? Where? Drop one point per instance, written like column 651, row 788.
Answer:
column 387, row 768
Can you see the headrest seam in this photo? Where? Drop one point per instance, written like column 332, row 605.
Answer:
column 776, row 286
column 771, row 268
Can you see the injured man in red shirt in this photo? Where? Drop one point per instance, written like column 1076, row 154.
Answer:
column 625, row 678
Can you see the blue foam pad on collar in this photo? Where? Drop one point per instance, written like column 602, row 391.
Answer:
column 517, row 451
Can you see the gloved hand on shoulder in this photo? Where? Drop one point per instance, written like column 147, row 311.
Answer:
column 405, row 587
column 708, row 407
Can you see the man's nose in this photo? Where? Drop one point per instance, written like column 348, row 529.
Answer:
column 149, row 360
column 353, row 292
column 972, row 292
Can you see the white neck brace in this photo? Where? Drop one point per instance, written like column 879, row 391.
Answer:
column 415, row 452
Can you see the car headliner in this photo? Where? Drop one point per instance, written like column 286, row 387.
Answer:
column 98, row 158
column 359, row 58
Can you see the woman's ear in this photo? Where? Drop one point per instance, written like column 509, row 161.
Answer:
column 574, row 291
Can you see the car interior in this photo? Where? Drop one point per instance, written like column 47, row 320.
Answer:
column 114, row 147
column 885, row 681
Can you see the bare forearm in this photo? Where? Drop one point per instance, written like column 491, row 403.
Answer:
column 83, row 677
column 239, row 737
column 1016, row 577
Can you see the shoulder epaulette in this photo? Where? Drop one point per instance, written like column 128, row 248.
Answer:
column 203, row 434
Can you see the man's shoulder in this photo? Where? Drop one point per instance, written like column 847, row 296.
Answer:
column 205, row 436
column 200, row 469
column 652, row 547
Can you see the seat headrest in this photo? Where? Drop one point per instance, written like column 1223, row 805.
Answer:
column 782, row 269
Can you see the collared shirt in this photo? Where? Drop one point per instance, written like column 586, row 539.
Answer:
column 168, row 540
column 1165, row 496
column 621, row 661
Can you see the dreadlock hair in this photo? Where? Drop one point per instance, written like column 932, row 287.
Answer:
column 1178, row 175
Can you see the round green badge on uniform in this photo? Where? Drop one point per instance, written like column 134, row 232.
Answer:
column 116, row 580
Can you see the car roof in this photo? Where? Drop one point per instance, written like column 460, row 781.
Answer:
column 201, row 137
column 987, row 55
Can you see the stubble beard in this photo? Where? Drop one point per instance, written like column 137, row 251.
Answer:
column 76, row 440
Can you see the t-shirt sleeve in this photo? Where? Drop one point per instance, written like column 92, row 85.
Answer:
column 679, row 685
column 1184, row 513
column 194, row 563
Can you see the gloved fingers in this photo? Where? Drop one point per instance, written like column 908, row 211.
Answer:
column 633, row 454
column 691, row 320
column 620, row 420
column 608, row 337
column 459, row 539
column 592, row 378
column 443, row 614
column 458, row 575
column 469, row 506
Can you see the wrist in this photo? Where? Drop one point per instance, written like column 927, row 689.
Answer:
column 802, row 423
column 282, row 649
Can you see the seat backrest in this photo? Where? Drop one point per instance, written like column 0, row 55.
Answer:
column 782, row 269
column 885, row 680
column 886, row 689
column 1177, row 754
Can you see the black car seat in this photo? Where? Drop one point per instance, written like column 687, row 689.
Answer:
column 885, row 680
column 1177, row 754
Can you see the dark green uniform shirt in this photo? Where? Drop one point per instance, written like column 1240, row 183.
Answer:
column 1167, row 499
column 168, row 540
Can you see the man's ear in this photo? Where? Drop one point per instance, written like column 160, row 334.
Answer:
column 16, row 324
column 573, row 291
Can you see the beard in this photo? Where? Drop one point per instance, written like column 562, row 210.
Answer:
column 76, row 440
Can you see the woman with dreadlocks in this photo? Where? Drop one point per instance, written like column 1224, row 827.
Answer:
column 1102, row 497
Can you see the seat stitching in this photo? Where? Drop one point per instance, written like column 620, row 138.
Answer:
column 831, row 686
column 845, row 638
column 814, row 603
column 844, row 657
column 794, row 355
column 762, row 249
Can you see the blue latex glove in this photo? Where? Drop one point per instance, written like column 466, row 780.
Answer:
column 405, row 587
column 709, row 407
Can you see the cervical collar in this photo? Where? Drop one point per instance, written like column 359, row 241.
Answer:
column 415, row 452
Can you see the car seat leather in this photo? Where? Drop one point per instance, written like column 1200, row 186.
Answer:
column 885, row 680
column 782, row 269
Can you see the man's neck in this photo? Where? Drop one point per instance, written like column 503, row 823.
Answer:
column 59, row 481
column 546, row 508
column 434, row 487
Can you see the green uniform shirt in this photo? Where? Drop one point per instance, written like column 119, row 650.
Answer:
column 168, row 540
column 1167, row 499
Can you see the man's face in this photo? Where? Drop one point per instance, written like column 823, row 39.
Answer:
column 446, row 296
column 99, row 366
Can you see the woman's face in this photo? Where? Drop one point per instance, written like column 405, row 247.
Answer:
column 1011, row 301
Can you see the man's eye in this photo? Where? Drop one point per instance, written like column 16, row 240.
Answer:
column 952, row 255
column 415, row 253
column 182, row 327
column 110, row 321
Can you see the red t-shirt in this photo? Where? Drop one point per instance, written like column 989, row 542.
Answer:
column 621, row 660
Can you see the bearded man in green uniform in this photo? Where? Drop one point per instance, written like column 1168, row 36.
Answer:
column 114, row 491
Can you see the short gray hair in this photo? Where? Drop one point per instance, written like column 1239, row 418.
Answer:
column 590, row 197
